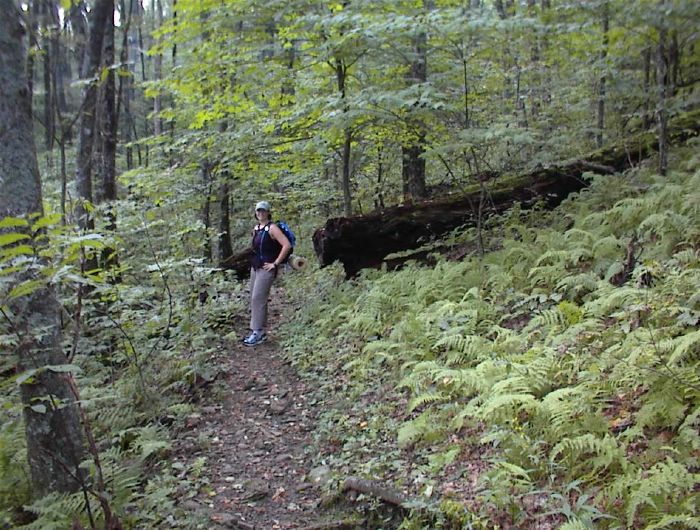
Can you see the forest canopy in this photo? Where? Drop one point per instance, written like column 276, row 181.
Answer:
column 550, row 352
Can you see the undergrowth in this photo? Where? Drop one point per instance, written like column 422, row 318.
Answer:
column 552, row 383
column 139, row 341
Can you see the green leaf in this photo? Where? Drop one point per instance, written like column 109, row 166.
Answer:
column 41, row 409
column 19, row 250
column 26, row 288
column 12, row 222
column 47, row 220
column 63, row 368
column 11, row 237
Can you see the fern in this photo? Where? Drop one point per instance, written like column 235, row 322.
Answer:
column 675, row 521
column 666, row 488
column 682, row 348
column 55, row 511
column 606, row 452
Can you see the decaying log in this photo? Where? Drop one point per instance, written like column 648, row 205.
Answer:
column 239, row 262
column 364, row 241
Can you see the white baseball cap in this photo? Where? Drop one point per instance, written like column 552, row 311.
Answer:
column 263, row 205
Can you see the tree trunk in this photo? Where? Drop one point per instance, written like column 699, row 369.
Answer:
column 158, row 75
column 108, row 144
column 341, row 71
column 412, row 151
column 52, row 426
column 225, row 249
column 124, row 92
column 79, row 24
column 605, row 23
column 49, row 30
column 662, row 84
column 108, row 118
column 206, row 209
column 646, row 114
column 86, row 128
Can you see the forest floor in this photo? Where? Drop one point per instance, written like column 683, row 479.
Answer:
column 246, row 455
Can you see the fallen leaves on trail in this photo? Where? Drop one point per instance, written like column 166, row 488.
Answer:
column 246, row 453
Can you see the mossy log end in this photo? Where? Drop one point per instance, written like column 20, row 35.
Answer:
column 364, row 241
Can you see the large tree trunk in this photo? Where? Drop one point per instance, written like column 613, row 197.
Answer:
column 54, row 439
column 364, row 241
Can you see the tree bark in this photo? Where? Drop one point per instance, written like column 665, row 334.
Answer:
column 205, row 171
column 225, row 248
column 50, row 29
column 341, row 71
column 52, row 426
column 86, row 128
column 158, row 74
column 605, row 23
column 108, row 126
column 662, row 85
column 412, row 151
column 108, row 118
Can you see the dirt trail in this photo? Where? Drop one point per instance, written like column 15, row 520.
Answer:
column 248, row 451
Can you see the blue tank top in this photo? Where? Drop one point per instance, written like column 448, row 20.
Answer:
column 265, row 248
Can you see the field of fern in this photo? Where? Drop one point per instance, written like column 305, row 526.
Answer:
column 551, row 383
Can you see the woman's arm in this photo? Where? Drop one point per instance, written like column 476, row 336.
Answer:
column 277, row 234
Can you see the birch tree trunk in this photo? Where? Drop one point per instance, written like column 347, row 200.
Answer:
column 52, row 426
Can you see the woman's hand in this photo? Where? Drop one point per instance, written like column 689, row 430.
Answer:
column 269, row 266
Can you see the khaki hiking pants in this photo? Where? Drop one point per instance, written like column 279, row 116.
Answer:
column 260, row 284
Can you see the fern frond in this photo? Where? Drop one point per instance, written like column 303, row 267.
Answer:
column 503, row 406
column 666, row 483
column 675, row 521
column 55, row 511
column 423, row 399
column 577, row 284
column 683, row 348
column 605, row 450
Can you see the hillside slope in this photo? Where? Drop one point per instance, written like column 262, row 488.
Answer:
column 552, row 384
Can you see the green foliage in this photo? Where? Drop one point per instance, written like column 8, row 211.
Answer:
column 138, row 348
column 576, row 387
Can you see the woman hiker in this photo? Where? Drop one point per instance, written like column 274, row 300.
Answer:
column 270, row 249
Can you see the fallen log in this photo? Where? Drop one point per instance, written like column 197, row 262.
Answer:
column 364, row 241
column 378, row 490
column 239, row 262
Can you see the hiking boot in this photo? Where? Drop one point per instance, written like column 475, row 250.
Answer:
column 254, row 338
